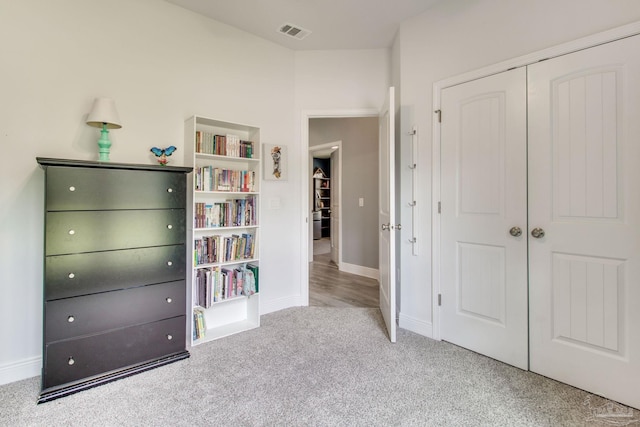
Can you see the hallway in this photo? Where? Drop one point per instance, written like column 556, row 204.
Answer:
column 329, row 287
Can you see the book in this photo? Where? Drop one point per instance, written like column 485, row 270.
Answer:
column 233, row 145
column 199, row 327
column 238, row 276
column 255, row 270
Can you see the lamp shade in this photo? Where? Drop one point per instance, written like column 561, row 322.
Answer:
column 102, row 113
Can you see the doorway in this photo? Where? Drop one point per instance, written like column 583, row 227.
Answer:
column 345, row 129
column 326, row 167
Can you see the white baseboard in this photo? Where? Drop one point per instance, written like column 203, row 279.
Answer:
column 416, row 325
column 371, row 273
column 20, row 370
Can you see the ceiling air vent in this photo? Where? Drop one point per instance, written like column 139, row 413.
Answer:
column 293, row 31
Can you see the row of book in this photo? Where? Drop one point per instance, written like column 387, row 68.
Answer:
column 223, row 145
column 216, row 284
column 230, row 213
column 199, row 325
column 210, row 178
column 214, row 249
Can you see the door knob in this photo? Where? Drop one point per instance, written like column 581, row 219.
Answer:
column 386, row 227
column 515, row 231
column 537, row 233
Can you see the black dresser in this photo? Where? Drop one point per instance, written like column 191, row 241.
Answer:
column 114, row 272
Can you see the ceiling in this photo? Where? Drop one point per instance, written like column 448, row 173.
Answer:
column 334, row 24
column 323, row 153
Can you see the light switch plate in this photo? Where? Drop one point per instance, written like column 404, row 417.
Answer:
column 274, row 203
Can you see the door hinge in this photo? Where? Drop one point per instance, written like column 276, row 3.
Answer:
column 439, row 207
column 439, row 299
column 439, row 113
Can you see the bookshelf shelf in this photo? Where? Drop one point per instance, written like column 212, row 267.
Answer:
column 227, row 330
column 225, row 263
column 213, row 229
column 224, row 301
column 225, row 193
column 224, row 190
column 226, row 158
column 230, row 317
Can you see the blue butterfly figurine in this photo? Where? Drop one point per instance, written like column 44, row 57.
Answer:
column 163, row 153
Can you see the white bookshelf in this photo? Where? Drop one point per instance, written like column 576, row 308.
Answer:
column 234, row 313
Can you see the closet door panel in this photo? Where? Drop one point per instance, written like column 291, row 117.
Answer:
column 484, row 196
column 584, row 192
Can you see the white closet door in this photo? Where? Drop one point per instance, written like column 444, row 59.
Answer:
column 483, row 279
column 584, row 193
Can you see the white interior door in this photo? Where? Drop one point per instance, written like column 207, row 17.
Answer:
column 386, row 214
column 483, row 200
column 584, row 151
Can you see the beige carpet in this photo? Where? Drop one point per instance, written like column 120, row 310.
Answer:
column 316, row 366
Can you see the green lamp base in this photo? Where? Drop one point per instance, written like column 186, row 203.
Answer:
column 104, row 144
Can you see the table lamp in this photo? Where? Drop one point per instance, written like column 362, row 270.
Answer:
column 104, row 115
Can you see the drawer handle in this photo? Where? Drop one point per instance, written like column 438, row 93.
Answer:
column 169, row 337
column 169, row 226
column 71, row 361
column 72, row 188
column 71, row 275
column 169, row 300
column 71, row 319
column 169, row 263
column 72, row 232
column 169, row 190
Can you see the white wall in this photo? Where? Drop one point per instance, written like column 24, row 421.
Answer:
column 341, row 79
column 161, row 64
column 454, row 37
column 338, row 83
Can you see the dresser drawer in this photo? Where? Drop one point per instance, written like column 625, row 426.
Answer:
column 72, row 360
column 81, row 274
column 74, row 188
column 90, row 314
column 92, row 231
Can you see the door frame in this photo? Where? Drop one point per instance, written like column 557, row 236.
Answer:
column 306, row 242
column 559, row 50
column 337, row 194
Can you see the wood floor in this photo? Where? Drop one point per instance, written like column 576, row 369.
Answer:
column 330, row 287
